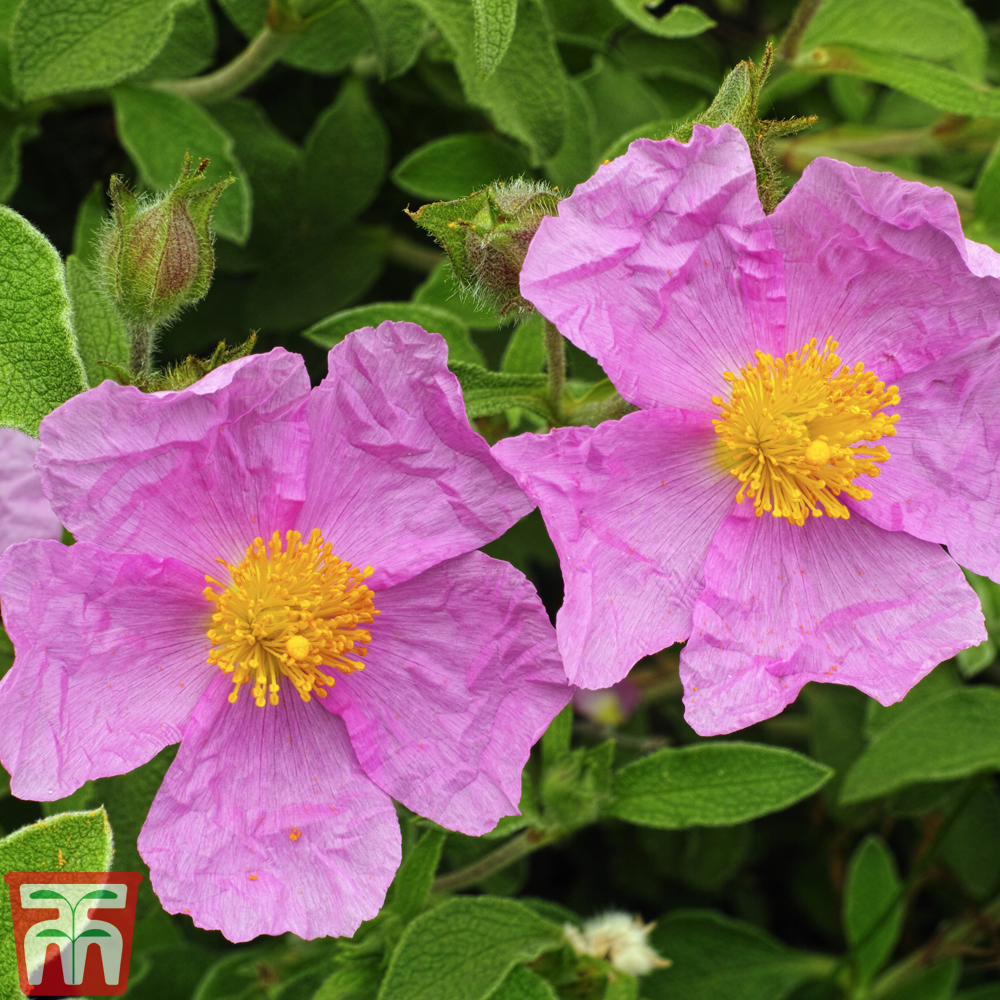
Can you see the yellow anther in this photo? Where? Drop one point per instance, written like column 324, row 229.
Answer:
column 794, row 430
column 291, row 610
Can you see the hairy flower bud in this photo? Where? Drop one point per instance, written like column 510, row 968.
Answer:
column 156, row 256
column 620, row 940
column 486, row 236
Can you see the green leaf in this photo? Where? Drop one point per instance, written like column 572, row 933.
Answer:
column 969, row 847
column 873, row 906
column 13, row 132
column 190, row 49
column 557, row 738
column 315, row 274
column 937, row 982
column 576, row 785
column 347, row 153
column 90, row 218
column 73, row 842
column 335, row 328
column 487, row 393
column 621, row 100
column 942, row 31
column 935, row 85
column 836, row 731
column 458, row 165
column 52, row 932
column 526, row 94
column 397, row 28
column 713, row 784
column 60, row 46
column 357, row 981
column 943, row 678
column 413, row 881
column 525, row 353
column 523, row 984
column 577, row 156
column 100, row 332
column 977, row 658
column 157, row 129
column 495, row 22
column 464, row 948
column 441, row 290
column 40, row 365
column 951, row 736
column 716, row 958
column 681, row 21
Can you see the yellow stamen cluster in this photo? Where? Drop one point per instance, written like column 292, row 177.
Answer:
column 292, row 612
column 791, row 429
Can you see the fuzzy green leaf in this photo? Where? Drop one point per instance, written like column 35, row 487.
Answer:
column 90, row 218
column 72, row 842
column 60, row 46
column 523, row 984
column 935, row 85
column 190, row 48
column 157, row 129
column 100, row 332
column 525, row 353
column 397, row 28
column 13, row 132
column 464, row 948
column 951, row 736
column 495, row 22
column 347, row 153
column 681, row 21
column 716, row 958
column 40, row 366
column 457, row 165
column 526, row 93
column 487, row 393
column 413, row 881
column 873, row 908
column 335, row 328
column 713, row 784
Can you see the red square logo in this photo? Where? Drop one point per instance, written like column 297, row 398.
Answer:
column 73, row 931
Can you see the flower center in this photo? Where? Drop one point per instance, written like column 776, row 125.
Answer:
column 791, row 432
column 293, row 613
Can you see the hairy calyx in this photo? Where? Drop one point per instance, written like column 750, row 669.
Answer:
column 798, row 430
column 291, row 610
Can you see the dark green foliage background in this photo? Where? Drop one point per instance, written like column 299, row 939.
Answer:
column 840, row 850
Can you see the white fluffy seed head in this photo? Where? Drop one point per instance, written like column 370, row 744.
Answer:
column 618, row 938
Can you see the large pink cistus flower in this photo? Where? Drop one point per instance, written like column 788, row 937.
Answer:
column 285, row 581
column 24, row 511
column 818, row 394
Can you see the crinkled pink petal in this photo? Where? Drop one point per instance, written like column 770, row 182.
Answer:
column 662, row 266
column 942, row 480
column 24, row 511
column 838, row 601
column 110, row 662
column 462, row 677
column 880, row 265
column 192, row 475
column 265, row 823
column 398, row 480
column 631, row 506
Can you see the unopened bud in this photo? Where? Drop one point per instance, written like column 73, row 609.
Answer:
column 487, row 235
column 156, row 255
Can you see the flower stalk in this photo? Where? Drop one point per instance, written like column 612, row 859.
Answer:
column 520, row 847
column 555, row 353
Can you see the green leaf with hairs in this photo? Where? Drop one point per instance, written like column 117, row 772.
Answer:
column 488, row 393
column 59, row 46
column 873, row 906
column 681, row 21
column 40, row 366
column 398, row 29
column 465, row 948
column 495, row 22
column 713, row 784
column 100, row 332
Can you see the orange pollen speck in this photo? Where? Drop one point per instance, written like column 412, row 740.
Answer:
column 292, row 610
column 794, row 430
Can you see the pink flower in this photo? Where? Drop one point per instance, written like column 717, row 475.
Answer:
column 725, row 327
column 278, row 817
column 24, row 511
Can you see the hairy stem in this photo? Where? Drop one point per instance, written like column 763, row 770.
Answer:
column 251, row 64
column 555, row 352
column 512, row 851
column 141, row 349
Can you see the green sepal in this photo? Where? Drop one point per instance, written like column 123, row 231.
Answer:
column 736, row 103
column 184, row 373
